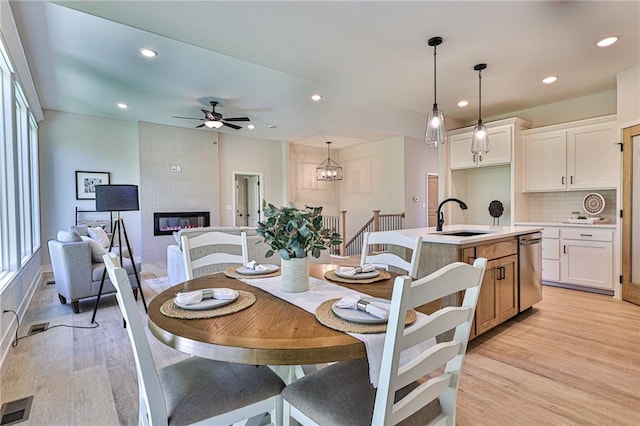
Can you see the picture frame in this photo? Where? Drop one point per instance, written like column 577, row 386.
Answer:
column 86, row 182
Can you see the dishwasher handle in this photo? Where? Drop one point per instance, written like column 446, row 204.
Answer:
column 530, row 242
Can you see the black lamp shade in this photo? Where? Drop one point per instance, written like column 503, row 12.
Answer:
column 116, row 198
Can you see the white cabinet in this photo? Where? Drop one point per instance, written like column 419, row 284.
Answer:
column 587, row 257
column 551, row 254
column 500, row 147
column 574, row 156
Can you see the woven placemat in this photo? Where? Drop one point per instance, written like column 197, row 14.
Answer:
column 331, row 275
column 231, row 272
column 325, row 316
column 244, row 300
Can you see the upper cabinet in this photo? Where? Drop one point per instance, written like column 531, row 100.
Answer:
column 573, row 156
column 500, row 148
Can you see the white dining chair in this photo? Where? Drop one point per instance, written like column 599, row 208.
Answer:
column 341, row 394
column 372, row 241
column 195, row 390
column 202, row 253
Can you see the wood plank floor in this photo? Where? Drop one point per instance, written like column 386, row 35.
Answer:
column 572, row 360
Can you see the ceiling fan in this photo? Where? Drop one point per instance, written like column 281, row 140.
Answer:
column 214, row 120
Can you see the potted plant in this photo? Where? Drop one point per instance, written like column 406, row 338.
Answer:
column 295, row 234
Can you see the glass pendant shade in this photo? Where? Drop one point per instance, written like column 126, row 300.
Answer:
column 436, row 133
column 480, row 139
column 329, row 170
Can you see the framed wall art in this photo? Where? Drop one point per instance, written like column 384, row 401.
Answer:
column 87, row 181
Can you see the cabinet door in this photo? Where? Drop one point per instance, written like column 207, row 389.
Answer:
column 593, row 157
column 507, row 287
column 545, row 159
column 500, row 147
column 550, row 270
column 587, row 263
column 487, row 309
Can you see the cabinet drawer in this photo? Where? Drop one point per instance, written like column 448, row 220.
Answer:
column 497, row 250
column 550, row 249
column 587, row 234
column 550, row 270
column 551, row 233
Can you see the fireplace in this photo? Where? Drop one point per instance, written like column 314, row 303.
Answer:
column 168, row 223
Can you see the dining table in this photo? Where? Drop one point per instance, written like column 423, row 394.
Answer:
column 271, row 331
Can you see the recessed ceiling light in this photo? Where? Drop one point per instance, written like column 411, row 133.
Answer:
column 606, row 42
column 272, row 126
column 316, row 97
column 550, row 79
column 251, row 126
column 148, row 53
column 463, row 103
column 122, row 105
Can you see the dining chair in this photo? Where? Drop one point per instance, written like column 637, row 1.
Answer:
column 371, row 254
column 203, row 252
column 341, row 394
column 195, row 390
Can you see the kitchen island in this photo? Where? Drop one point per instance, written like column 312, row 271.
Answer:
column 500, row 293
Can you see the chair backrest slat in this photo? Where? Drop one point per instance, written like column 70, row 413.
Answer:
column 151, row 394
column 393, row 238
column 217, row 242
column 408, row 294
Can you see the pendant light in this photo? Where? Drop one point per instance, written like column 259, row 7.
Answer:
column 480, row 140
column 436, row 133
column 329, row 170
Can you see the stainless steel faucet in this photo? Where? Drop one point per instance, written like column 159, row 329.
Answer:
column 440, row 215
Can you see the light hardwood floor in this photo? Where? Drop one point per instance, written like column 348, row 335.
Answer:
column 572, row 360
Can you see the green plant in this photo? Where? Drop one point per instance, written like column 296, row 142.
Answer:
column 295, row 233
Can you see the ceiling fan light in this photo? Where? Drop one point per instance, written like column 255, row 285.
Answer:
column 213, row 124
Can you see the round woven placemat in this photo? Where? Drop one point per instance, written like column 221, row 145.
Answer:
column 331, row 275
column 244, row 300
column 231, row 272
column 325, row 316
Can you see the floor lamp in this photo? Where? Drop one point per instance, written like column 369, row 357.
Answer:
column 118, row 198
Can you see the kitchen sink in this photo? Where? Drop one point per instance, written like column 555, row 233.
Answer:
column 463, row 233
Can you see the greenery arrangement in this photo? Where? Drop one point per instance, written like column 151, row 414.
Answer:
column 295, row 233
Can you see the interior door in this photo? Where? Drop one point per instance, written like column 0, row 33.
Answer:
column 432, row 199
column 253, row 200
column 630, row 220
column 241, row 201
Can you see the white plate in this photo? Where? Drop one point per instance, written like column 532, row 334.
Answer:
column 360, row 276
column 206, row 304
column 356, row 315
column 248, row 271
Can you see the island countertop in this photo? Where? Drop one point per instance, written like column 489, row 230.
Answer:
column 430, row 235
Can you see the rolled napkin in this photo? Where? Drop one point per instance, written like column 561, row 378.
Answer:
column 256, row 266
column 377, row 309
column 351, row 271
column 193, row 297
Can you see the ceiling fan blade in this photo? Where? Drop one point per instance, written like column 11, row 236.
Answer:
column 188, row 118
column 233, row 126
column 237, row 119
column 201, row 125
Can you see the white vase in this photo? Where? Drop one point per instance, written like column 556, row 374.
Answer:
column 295, row 275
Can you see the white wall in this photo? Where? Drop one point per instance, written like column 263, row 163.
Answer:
column 419, row 160
column 71, row 142
column 249, row 156
column 373, row 179
column 628, row 83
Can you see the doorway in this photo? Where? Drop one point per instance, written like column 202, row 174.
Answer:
column 432, row 198
column 247, row 198
column 630, row 220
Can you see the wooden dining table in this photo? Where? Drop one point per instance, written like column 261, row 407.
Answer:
column 269, row 332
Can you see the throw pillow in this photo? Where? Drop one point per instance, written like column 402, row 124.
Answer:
column 68, row 237
column 97, row 251
column 80, row 229
column 99, row 236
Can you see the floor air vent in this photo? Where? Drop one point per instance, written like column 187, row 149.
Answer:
column 50, row 282
column 38, row 328
column 15, row 411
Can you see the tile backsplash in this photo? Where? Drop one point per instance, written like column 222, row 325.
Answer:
column 557, row 206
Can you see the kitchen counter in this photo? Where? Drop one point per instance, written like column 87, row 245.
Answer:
column 578, row 225
column 430, row 235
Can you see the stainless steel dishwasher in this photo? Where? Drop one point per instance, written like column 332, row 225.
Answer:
column 530, row 269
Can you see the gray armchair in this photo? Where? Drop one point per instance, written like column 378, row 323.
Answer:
column 77, row 277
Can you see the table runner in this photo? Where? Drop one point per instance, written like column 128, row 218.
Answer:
column 318, row 292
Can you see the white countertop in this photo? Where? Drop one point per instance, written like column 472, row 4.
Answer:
column 578, row 225
column 430, row 235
